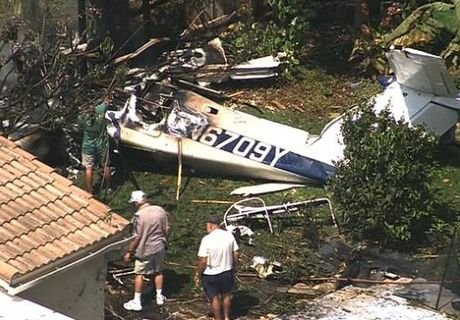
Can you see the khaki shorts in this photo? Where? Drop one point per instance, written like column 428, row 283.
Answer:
column 150, row 265
column 93, row 160
column 89, row 160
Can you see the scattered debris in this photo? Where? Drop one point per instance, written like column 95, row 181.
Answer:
column 242, row 231
column 376, row 302
column 264, row 268
column 118, row 274
column 257, row 209
column 309, row 291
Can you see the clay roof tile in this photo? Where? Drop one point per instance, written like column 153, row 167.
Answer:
column 44, row 217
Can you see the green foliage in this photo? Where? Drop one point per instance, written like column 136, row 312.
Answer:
column 294, row 17
column 285, row 32
column 284, row 304
column 268, row 37
column 17, row 6
column 383, row 187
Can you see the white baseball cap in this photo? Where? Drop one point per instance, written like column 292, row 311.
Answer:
column 137, row 196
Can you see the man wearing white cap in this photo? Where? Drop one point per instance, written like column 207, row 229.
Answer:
column 151, row 227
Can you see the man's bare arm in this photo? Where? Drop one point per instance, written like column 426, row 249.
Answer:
column 200, row 267
column 132, row 249
column 236, row 260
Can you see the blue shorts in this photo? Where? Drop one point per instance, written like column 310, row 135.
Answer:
column 221, row 283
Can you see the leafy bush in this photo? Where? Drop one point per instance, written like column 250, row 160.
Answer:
column 269, row 39
column 383, row 185
column 285, row 32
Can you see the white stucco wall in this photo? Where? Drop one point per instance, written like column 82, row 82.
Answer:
column 15, row 308
column 77, row 293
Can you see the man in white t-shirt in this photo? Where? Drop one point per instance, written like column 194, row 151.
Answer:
column 218, row 257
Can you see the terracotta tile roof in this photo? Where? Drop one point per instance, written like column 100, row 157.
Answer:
column 45, row 219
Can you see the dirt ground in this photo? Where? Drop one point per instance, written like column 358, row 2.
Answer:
column 253, row 297
column 186, row 306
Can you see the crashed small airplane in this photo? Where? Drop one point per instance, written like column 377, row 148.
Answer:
column 198, row 132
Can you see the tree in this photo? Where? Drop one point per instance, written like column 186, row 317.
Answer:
column 110, row 18
column 432, row 27
column 433, row 24
column 82, row 20
column 382, row 187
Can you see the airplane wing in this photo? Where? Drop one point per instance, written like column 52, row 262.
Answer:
column 264, row 188
column 422, row 71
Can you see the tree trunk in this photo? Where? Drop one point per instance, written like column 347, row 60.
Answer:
column 32, row 14
column 361, row 15
column 211, row 8
column 117, row 16
column 82, row 33
column 111, row 18
column 146, row 17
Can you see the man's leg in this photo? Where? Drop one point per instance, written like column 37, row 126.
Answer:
column 227, row 304
column 135, row 304
column 140, row 268
column 89, row 178
column 138, row 283
column 216, row 305
column 157, row 265
column 87, row 161
column 158, row 280
column 226, row 296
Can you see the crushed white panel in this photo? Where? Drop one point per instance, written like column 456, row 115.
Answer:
column 264, row 188
column 16, row 308
column 376, row 302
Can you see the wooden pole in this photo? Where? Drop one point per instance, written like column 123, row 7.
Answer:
column 179, row 169
column 213, row 201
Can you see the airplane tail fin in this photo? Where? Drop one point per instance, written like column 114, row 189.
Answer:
column 422, row 71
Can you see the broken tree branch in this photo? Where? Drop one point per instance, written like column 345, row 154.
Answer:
column 140, row 50
column 213, row 24
column 113, row 313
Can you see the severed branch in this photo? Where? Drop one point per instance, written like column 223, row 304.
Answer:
column 214, row 24
column 152, row 42
column 113, row 313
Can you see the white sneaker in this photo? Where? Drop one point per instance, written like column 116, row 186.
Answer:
column 161, row 299
column 133, row 305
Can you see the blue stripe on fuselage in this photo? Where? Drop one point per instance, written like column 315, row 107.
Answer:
column 267, row 154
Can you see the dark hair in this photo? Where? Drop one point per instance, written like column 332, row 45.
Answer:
column 214, row 219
